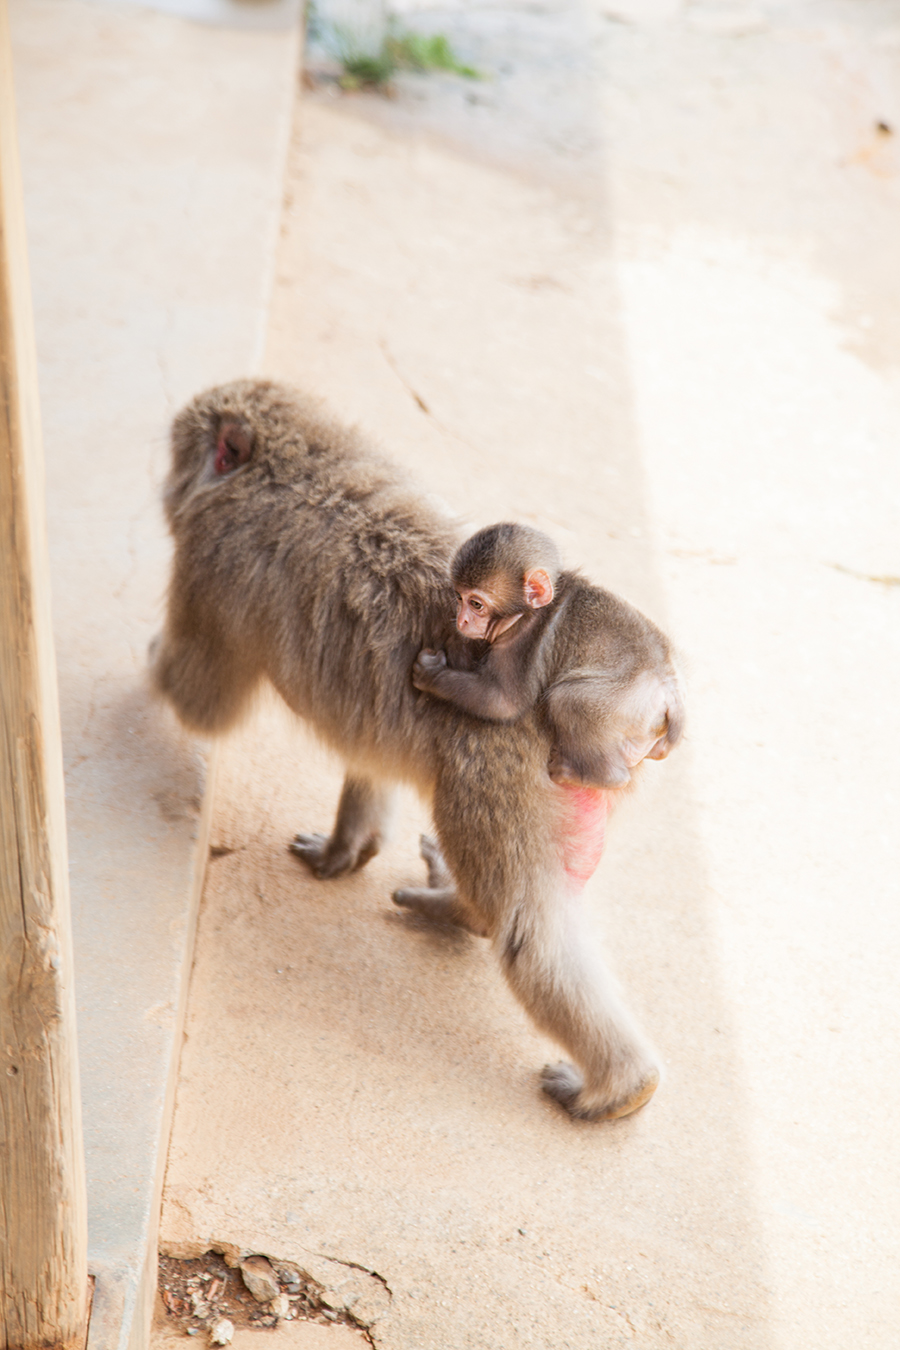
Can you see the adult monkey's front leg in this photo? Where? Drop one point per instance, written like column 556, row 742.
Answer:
column 363, row 818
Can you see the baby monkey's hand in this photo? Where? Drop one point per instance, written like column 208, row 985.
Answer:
column 426, row 663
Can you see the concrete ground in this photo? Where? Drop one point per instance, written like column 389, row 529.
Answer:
column 641, row 288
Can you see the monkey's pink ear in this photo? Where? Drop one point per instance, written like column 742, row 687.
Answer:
column 538, row 588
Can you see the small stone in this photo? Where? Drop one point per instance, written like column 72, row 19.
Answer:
column 290, row 1278
column 260, row 1279
column 221, row 1332
column 281, row 1305
column 193, row 1331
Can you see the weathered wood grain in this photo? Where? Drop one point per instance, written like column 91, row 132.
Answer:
column 43, row 1227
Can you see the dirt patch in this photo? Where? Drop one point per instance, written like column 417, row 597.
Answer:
column 198, row 1292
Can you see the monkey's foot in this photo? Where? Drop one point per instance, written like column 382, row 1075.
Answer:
column 440, row 905
column 566, row 1085
column 333, row 858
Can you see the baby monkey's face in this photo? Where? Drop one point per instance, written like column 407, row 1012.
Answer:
column 494, row 607
column 475, row 611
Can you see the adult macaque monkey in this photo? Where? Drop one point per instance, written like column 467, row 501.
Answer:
column 599, row 671
column 303, row 558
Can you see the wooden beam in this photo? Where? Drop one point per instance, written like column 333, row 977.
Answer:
column 43, row 1220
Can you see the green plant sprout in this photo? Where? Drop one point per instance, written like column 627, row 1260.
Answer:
column 399, row 51
column 419, row 52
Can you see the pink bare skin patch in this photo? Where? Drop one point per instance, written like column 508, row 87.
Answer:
column 234, row 447
column 583, row 834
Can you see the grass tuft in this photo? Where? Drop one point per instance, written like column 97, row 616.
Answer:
column 418, row 52
column 399, row 51
column 361, row 71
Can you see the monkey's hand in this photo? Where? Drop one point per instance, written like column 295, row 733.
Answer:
column 427, row 663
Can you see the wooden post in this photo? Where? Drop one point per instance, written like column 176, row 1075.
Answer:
column 43, row 1219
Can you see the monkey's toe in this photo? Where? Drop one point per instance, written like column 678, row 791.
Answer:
column 564, row 1084
column 439, row 877
column 327, row 858
column 429, row 849
column 314, row 850
column 309, row 847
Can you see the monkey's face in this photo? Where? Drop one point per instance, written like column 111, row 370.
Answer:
column 476, row 611
column 492, row 608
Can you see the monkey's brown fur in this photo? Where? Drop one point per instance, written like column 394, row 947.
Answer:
column 598, row 670
column 315, row 565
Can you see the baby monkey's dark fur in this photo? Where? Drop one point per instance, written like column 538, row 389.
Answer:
column 599, row 672
column 301, row 557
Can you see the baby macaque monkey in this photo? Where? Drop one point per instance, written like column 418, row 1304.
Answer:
column 598, row 672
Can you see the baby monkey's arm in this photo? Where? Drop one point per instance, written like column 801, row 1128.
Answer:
column 481, row 691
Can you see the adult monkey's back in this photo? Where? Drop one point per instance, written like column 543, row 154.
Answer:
column 304, row 558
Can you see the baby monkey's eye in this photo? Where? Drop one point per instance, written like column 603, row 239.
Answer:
column 477, row 606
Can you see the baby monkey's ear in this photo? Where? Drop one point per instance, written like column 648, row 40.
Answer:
column 538, row 588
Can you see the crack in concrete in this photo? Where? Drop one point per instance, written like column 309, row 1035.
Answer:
column 417, row 397
column 886, row 580
column 419, row 400
column 354, row 1265
column 365, row 1324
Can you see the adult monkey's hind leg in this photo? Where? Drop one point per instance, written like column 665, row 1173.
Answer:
column 363, row 818
column 209, row 684
column 552, row 967
column 522, row 849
